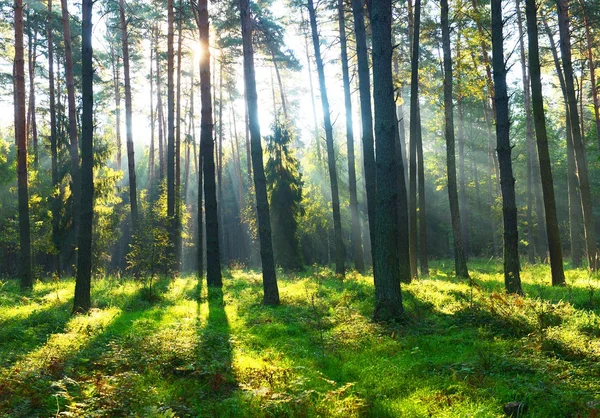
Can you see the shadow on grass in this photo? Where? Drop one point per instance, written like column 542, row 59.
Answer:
column 65, row 367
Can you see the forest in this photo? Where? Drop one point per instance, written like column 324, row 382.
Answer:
column 299, row 208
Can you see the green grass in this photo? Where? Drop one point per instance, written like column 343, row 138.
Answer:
column 461, row 350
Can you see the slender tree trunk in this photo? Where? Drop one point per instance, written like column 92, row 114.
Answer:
column 25, row 271
column 460, row 260
column 356, row 238
column 151, row 170
column 335, row 199
column 117, row 87
column 178, row 242
column 128, row 120
column 580, row 157
column 462, row 180
column 590, row 58
column 312, row 90
column 33, row 123
column 556, row 260
column 55, row 202
column 220, row 162
column 248, row 152
column 84, row 260
column 207, row 160
column 512, row 278
column 159, row 112
column 75, row 178
column 171, row 131
column 271, row 291
column 279, row 82
column 423, row 257
column 414, row 121
column 575, row 211
column 391, row 258
column 368, row 150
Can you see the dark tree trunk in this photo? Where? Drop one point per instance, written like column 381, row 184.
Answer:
column 312, row 91
column 590, row 58
column 171, row 130
column 575, row 215
column 117, row 87
column 220, row 164
column 82, row 302
column 128, row 120
column 462, row 175
column 415, row 121
column 512, row 278
column 207, row 161
column 335, row 199
column 271, row 291
column 151, row 170
column 159, row 111
column 556, row 260
column 578, row 146
column 55, row 203
column 459, row 251
column 357, row 252
column 366, row 116
column 178, row 118
column 75, row 178
column 391, row 258
column 33, row 122
column 25, row 271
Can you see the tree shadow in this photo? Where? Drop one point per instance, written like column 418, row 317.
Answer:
column 214, row 362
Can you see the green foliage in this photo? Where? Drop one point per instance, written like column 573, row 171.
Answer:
column 464, row 349
column 284, row 186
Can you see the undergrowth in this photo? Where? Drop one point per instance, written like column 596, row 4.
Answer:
column 464, row 348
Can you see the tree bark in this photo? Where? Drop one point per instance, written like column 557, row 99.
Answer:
column 356, row 238
column 335, row 199
column 366, row 116
column 159, row 111
column 312, row 92
column 575, row 214
column 556, row 260
column 150, row 177
column 459, row 251
column 580, row 157
column 117, row 87
column 271, row 291
column 25, row 271
column 33, row 122
column 177, row 150
column 207, row 160
column 55, row 202
column 128, row 120
column 75, row 177
column 82, row 302
column 590, row 57
column 512, row 278
column 171, row 130
column 391, row 258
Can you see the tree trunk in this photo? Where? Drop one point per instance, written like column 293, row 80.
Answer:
column 391, row 258
column 335, row 199
column 75, row 178
column 33, row 123
column 312, row 91
column 423, row 257
column 590, row 57
column 271, row 291
column 25, row 271
column 117, row 87
column 462, row 175
column 220, row 162
column 459, row 251
column 512, row 279
column 279, row 82
column 368, row 150
column 414, row 121
column 128, row 120
column 178, row 243
column 171, row 131
column 207, row 160
column 356, row 238
column 580, row 157
column 84, row 260
column 159, row 113
column 150, row 177
column 55, row 202
column 575, row 211
column 556, row 260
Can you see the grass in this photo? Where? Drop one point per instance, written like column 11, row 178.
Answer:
column 463, row 349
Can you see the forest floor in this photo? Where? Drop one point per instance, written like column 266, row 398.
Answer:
column 463, row 349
